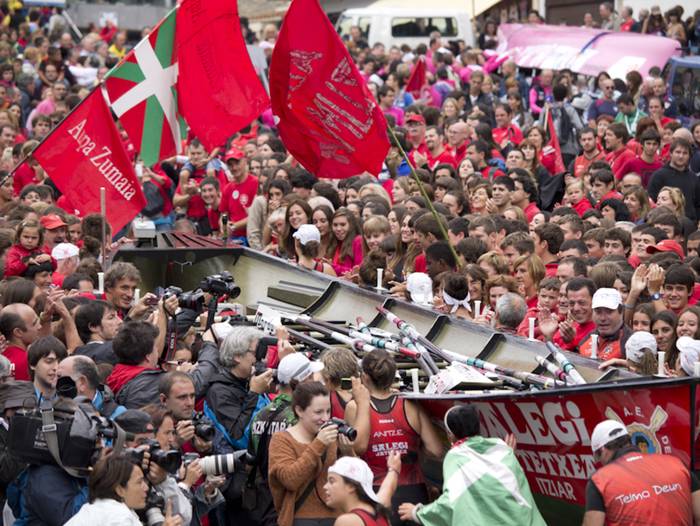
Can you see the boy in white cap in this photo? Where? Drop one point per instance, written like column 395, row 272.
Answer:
column 640, row 352
column 307, row 245
column 637, row 488
column 611, row 331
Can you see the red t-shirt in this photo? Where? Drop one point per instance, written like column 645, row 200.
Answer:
column 18, row 357
column 640, row 166
column 531, row 211
column 419, row 265
column 512, row 133
column 491, row 172
column 444, row 157
column 24, row 175
column 583, row 205
column 617, row 160
column 581, row 163
column 196, row 209
column 236, row 198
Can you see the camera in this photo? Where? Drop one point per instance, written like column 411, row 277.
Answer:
column 191, row 299
column 203, row 427
column 155, row 504
column 343, row 428
column 225, row 464
column 168, row 460
column 220, row 284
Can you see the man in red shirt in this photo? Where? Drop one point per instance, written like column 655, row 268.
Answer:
column 505, row 131
column 187, row 195
column 457, row 133
column 569, row 333
column 238, row 195
column 480, row 152
column 525, row 194
column 548, row 238
column 589, row 145
column 20, row 326
column 603, row 186
column 616, row 137
column 648, row 161
column 211, row 195
column 415, row 127
column 437, row 153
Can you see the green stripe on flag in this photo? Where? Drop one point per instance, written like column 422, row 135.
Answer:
column 127, row 71
column 152, row 132
column 165, row 40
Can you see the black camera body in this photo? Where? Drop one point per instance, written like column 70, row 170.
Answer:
column 343, row 428
column 203, row 427
column 221, row 284
column 168, row 460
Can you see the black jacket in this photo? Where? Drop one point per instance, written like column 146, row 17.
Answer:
column 143, row 388
column 232, row 402
column 686, row 181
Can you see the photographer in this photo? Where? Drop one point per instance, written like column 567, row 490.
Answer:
column 117, row 487
column 235, row 393
column 203, row 497
column 83, row 371
column 300, row 458
column 293, row 370
column 158, row 459
column 121, row 281
column 177, row 396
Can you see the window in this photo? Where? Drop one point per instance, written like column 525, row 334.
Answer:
column 346, row 22
column 422, row 27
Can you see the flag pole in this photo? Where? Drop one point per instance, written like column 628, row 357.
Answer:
column 428, row 201
column 103, row 211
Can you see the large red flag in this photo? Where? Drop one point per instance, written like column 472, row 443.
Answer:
column 416, row 81
column 218, row 90
column 552, row 148
column 328, row 119
column 85, row 153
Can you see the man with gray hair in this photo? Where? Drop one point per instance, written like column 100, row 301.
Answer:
column 235, row 393
column 511, row 310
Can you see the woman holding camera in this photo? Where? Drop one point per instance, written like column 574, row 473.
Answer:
column 299, row 459
column 117, row 487
column 349, row 490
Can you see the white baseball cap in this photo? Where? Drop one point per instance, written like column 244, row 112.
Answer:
column 690, row 353
column 606, row 432
column 64, row 251
column 306, row 233
column 296, row 366
column 357, row 470
column 636, row 343
column 420, row 287
column 606, row 298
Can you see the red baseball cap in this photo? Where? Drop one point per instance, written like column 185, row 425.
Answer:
column 234, row 153
column 52, row 222
column 416, row 117
column 667, row 245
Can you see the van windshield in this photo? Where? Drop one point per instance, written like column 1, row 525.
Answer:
column 345, row 23
column 422, row 27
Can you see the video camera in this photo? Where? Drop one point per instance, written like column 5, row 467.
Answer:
column 67, row 433
column 221, row 284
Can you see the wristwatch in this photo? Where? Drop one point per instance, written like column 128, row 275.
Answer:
column 656, row 296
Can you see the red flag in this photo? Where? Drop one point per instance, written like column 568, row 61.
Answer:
column 416, row 81
column 328, row 119
column 84, row 153
column 552, row 149
column 218, row 90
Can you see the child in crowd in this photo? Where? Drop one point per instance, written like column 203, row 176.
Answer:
column 27, row 250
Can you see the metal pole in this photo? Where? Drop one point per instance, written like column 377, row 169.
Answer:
column 103, row 211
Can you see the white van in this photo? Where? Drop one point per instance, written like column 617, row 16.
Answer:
column 394, row 25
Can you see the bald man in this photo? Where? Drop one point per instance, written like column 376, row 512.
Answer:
column 20, row 326
column 83, row 371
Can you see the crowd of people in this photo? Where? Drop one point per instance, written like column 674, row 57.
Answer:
column 594, row 247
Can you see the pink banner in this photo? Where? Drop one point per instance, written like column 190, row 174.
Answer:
column 582, row 50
